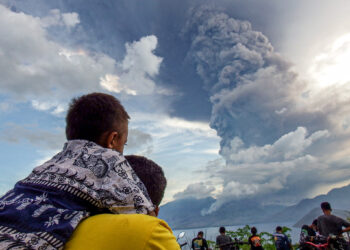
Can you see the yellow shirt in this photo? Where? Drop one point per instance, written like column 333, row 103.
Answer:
column 124, row 232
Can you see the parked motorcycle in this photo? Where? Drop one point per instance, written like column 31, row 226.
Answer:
column 181, row 235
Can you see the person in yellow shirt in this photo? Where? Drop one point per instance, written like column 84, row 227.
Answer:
column 129, row 231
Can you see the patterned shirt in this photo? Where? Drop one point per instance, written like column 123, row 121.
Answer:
column 42, row 211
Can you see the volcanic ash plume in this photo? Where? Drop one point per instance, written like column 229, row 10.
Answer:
column 254, row 95
column 250, row 85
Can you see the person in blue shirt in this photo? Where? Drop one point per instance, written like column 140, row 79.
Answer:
column 282, row 242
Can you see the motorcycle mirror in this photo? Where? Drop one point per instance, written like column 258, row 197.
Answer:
column 181, row 235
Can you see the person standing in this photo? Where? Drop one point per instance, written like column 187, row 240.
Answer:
column 223, row 240
column 199, row 243
column 329, row 224
column 255, row 240
column 282, row 242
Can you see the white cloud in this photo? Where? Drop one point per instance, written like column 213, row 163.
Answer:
column 281, row 111
column 166, row 122
column 34, row 68
column 112, row 84
column 289, row 146
column 196, row 190
column 173, row 133
column 56, row 18
column 70, row 19
column 267, row 170
column 137, row 70
column 54, row 107
column 140, row 58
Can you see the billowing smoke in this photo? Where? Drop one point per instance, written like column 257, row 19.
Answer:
column 254, row 94
column 250, row 84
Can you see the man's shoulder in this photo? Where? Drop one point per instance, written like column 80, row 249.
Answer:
column 331, row 217
column 138, row 220
column 335, row 217
column 104, row 230
column 339, row 220
column 135, row 223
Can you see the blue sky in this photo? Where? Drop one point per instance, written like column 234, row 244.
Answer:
column 233, row 98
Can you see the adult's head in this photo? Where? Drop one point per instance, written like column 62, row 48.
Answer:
column 152, row 176
column 253, row 230
column 279, row 229
column 326, row 207
column 100, row 118
column 200, row 234
column 222, row 230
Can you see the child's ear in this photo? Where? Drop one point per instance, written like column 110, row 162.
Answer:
column 111, row 139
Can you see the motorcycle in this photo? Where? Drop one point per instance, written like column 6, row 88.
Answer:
column 332, row 242
column 181, row 235
column 234, row 244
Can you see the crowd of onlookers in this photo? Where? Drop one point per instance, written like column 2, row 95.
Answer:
column 327, row 229
column 225, row 242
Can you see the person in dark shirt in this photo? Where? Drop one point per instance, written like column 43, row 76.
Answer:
column 222, row 240
column 329, row 224
column 308, row 233
column 282, row 242
column 255, row 240
column 199, row 243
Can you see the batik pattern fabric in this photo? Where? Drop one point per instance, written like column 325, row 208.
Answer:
column 42, row 211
